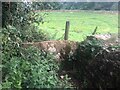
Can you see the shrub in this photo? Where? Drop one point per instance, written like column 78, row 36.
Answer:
column 35, row 69
column 94, row 65
column 11, row 42
column 34, row 34
column 22, row 16
column 97, row 66
column 27, row 68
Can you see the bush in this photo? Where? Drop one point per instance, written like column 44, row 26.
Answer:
column 34, row 34
column 94, row 65
column 97, row 66
column 27, row 68
column 11, row 42
column 35, row 69
column 12, row 39
column 22, row 16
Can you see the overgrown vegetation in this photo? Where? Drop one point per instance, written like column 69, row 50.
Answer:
column 94, row 65
column 77, row 6
column 30, row 67
column 34, row 69
column 24, row 19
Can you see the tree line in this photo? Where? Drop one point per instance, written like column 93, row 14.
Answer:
column 10, row 9
column 76, row 6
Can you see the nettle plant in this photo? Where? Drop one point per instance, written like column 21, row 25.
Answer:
column 34, row 69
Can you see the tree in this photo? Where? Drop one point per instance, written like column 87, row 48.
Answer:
column 22, row 16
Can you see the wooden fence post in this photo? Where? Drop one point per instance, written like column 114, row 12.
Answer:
column 67, row 30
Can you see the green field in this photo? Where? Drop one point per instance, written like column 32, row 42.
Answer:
column 82, row 23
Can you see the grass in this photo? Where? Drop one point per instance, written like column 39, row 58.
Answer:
column 81, row 24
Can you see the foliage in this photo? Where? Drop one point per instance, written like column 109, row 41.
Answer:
column 12, row 39
column 96, row 65
column 27, row 68
column 22, row 13
column 18, row 14
column 84, row 5
column 35, row 69
column 76, row 5
column 89, row 48
column 34, row 34
column 48, row 5
column 11, row 42
column 23, row 17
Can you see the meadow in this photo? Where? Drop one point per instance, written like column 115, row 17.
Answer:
column 82, row 23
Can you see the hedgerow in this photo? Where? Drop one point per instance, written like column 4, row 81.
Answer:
column 93, row 65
